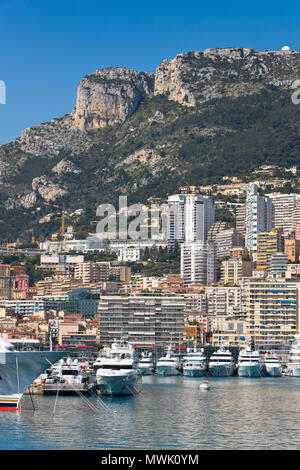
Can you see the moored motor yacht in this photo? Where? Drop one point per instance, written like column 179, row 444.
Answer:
column 293, row 363
column 117, row 370
column 67, row 377
column 272, row 365
column 169, row 364
column 249, row 363
column 194, row 363
column 221, row 363
column 146, row 364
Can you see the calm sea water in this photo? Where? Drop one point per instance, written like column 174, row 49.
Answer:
column 170, row 413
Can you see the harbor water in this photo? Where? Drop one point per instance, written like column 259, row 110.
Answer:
column 170, row 413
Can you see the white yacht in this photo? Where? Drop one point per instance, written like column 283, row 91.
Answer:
column 102, row 354
column 169, row 364
column 272, row 365
column 194, row 363
column 146, row 364
column 117, row 370
column 249, row 363
column 221, row 363
column 18, row 369
column 293, row 364
column 67, row 377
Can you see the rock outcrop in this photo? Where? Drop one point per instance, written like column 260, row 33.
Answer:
column 47, row 189
column 215, row 73
column 110, row 96
column 65, row 166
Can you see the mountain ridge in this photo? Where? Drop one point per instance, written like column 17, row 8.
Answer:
column 144, row 134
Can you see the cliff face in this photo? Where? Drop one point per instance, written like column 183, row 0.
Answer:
column 110, row 96
column 203, row 115
column 215, row 73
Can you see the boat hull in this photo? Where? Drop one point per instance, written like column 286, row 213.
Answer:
column 293, row 370
column 67, row 389
column 146, row 370
column 119, row 384
column 222, row 370
column 273, row 371
column 194, row 372
column 18, row 370
column 249, row 371
column 167, row 370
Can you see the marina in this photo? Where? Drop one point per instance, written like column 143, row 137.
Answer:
column 170, row 413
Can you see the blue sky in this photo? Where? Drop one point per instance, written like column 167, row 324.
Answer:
column 47, row 46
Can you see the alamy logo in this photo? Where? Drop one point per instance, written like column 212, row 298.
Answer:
column 296, row 94
column 134, row 222
column 2, row 92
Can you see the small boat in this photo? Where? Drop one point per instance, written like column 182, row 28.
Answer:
column 204, row 386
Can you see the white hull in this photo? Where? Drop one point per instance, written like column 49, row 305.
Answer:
column 273, row 371
column 167, row 370
column 18, row 370
column 194, row 372
column 251, row 370
column 293, row 370
column 116, row 383
column 146, row 370
column 222, row 370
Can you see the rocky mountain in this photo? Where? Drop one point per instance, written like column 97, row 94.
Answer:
column 201, row 116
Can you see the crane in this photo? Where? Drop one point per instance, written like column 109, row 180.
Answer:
column 63, row 211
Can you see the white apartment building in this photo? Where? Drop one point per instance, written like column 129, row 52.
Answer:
column 283, row 207
column 258, row 216
column 198, row 263
column 129, row 254
column 226, row 240
column 58, row 262
column 225, row 301
column 190, row 217
column 92, row 272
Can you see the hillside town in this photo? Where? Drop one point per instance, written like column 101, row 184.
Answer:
column 211, row 281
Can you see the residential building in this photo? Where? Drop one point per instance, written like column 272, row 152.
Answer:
column 240, row 221
column 129, row 254
column 225, row 302
column 283, row 207
column 267, row 244
column 198, row 263
column 258, row 216
column 234, row 269
column 190, row 217
column 55, row 262
column 278, row 265
column 231, row 332
column 273, row 311
column 215, row 229
column 225, row 240
column 148, row 320
column 292, row 247
column 90, row 272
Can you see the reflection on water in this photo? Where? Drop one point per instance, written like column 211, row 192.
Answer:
column 170, row 413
